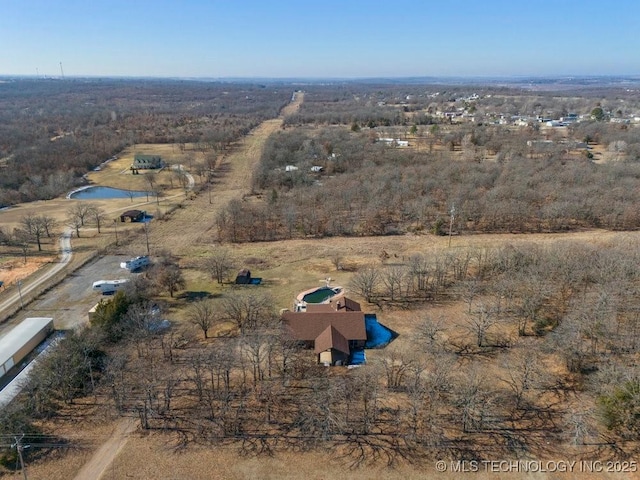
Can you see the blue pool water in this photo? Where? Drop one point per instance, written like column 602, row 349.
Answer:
column 103, row 193
column 320, row 295
column 357, row 357
column 377, row 334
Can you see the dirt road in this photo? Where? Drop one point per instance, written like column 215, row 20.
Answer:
column 195, row 223
column 191, row 224
column 95, row 468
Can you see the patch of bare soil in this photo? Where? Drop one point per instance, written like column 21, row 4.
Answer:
column 17, row 269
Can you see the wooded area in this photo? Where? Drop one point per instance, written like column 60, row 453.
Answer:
column 52, row 132
column 537, row 353
column 368, row 188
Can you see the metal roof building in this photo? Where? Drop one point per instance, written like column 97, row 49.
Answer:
column 21, row 340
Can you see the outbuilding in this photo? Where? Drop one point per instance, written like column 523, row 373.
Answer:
column 21, row 340
column 132, row 216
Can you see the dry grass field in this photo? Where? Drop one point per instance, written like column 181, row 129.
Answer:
column 286, row 267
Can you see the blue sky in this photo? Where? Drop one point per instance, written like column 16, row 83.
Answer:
column 319, row 38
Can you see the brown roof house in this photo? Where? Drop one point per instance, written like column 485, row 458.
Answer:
column 333, row 330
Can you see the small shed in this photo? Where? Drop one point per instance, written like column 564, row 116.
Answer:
column 243, row 277
column 132, row 215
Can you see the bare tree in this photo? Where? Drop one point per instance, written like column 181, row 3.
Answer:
column 393, row 279
column 150, row 178
column 365, row 282
column 248, row 310
column 219, row 264
column 169, row 277
column 420, row 271
column 35, row 228
column 21, row 239
column 75, row 222
column 479, row 322
column 336, row 260
column 579, row 426
column 210, row 162
column 255, row 346
column 98, row 215
column 48, row 223
column 79, row 212
column 397, row 367
column 138, row 321
column 472, row 398
column 523, row 374
column 429, row 332
column 202, row 314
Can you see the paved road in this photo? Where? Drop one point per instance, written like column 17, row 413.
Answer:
column 8, row 304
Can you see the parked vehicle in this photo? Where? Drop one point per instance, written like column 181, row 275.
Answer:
column 136, row 263
column 108, row 287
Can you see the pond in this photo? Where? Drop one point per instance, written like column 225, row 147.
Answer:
column 105, row 193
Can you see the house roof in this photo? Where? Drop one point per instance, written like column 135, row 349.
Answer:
column 348, row 304
column 132, row 213
column 307, row 326
column 331, row 338
column 332, row 305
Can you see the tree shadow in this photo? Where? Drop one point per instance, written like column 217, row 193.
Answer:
column 201, row 295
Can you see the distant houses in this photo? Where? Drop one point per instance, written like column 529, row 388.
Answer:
column 141, row 161
column 393, row 142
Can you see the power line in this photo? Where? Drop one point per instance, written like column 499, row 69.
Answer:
column 19, row 448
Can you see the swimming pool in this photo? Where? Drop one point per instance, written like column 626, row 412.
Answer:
column 321, row 294
column 104, row 193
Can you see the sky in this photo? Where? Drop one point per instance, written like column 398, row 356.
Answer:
column 319, row 38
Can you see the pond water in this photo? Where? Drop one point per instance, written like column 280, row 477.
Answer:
column 105, row 193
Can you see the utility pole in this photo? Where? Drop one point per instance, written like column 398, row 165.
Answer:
column 19, row 448
column 452, row 212
column 146, row 234
column 19, row 283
